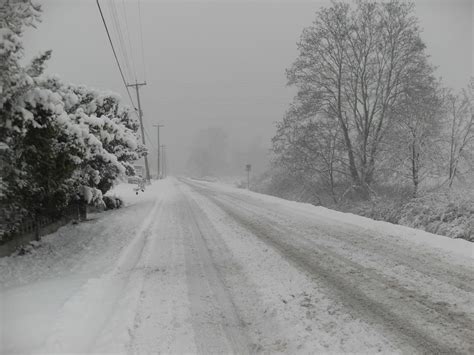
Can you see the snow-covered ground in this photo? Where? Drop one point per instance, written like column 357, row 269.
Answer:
column 198, row 267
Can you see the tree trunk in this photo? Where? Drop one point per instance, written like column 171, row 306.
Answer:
column 350, row 155
column 452, row 174
column 80, row 207
column 82, row 211
column 37, row 228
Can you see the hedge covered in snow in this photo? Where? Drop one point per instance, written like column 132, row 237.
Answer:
column 61, row 143
column 445, row 212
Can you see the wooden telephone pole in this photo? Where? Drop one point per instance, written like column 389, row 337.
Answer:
column 158, row 169
column 140, row 116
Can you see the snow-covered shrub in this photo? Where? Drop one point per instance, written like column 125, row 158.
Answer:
column 112, row 202
column 62, row 143
column 241, row 184
column 28, row 132
column 449, row 213
column 280, row 182
column 91, row 196
column 109, row 129
column 446, row 212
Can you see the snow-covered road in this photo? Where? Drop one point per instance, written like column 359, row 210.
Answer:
column 196, row 267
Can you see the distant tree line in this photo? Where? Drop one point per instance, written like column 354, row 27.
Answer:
column 212, row 154
column 369, row 108
column 60, row 143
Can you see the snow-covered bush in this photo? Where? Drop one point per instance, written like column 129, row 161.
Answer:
column 446, row 212
column 62, row 143
column 449, row 213
column 112, row 202
column 109, row 130
column 15, row 16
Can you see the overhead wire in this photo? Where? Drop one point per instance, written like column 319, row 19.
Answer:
column 149, row 138
column 115, row 55
column 125, row 56
column 118, row 29
column 116, row 37
column 127, row 32
column 141, row 39
column 129, row 58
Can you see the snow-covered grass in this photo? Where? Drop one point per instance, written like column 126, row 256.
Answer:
column 448, row 212
column 444, row 211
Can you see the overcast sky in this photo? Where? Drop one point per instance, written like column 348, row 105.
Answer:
column 219, row 63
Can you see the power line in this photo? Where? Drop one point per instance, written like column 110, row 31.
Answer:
column 118, row 29
column 141, row 39
column 125, row 56
column 115, row 54
column 150, row 141
column 127, row 32
column 116, row 39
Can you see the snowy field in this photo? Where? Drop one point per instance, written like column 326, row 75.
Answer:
column 200, row 267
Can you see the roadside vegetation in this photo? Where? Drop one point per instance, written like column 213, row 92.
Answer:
column 372, row 130
column 61, row 144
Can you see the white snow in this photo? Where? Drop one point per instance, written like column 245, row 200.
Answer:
column 57, row 298
column 173, row 272
column 411, row 235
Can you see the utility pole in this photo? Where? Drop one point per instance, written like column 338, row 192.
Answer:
column 158, row 141
column 163, row 159
column 140, row 116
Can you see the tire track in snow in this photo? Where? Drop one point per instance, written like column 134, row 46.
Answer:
column 122, row 322
column 294, row 315
column 216, row 323
column 369, row 243
column 161, row 314
column 85, row 316
column 221, row 310
column 393, row 319
column 440, row 280
column 325, row 268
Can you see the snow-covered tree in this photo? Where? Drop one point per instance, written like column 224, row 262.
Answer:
column 414, row 142
column 308, row 144
column 60, row 142
column 460, row 131
column 15, row 17
column 105, row 132
column 354, row 61
column 116, row 127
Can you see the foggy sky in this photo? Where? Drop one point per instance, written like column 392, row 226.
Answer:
column 218, row 63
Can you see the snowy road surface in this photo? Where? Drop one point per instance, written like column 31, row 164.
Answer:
column 196, row 267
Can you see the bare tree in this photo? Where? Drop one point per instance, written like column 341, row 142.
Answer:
column 461, row 129
column 355, row 62
column 415, row 139
column 309, row 146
